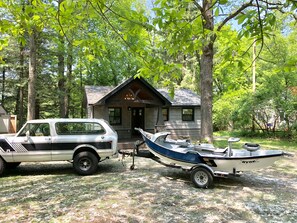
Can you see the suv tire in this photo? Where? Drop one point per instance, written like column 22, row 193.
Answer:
column 12, row 165
column 2, row 166
column 85, row 163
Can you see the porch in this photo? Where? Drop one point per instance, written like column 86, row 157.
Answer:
column 127, row 143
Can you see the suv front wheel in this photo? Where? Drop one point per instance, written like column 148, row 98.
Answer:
column 85, row 163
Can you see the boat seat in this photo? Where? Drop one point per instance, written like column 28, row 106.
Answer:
column 251, row 147
column 209, row 148
column 182, row 143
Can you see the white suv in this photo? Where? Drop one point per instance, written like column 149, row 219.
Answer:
column 85, row 142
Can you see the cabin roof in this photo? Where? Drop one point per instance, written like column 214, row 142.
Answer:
column 182, row 97
column 96, row 93
column 2, row 110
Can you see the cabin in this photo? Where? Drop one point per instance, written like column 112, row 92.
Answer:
column 136, row 103
column 7, row 122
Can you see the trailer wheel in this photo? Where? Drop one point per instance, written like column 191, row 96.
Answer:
column 2, row 166
column 85, row 163
column 201, row 177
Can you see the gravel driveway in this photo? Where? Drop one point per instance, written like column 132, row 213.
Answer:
column 52, row 192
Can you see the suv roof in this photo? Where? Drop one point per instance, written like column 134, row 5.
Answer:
column 64, row 120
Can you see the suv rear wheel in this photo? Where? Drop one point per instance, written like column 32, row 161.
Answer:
column 2, row 166
column 85, row 163
column 12, row 165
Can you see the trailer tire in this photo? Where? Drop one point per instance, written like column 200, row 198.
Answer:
column 2, row 166
column 202, row 177
column 85, row 163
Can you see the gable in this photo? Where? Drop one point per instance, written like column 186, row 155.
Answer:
column 139, row 91
column 135, row 90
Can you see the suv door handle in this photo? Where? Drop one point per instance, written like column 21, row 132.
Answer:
column 47, row 138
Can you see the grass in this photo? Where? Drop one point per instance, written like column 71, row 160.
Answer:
column 52, row 192
column 269, row 143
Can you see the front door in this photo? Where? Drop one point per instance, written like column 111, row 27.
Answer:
column 33, row 143
column 137, row 120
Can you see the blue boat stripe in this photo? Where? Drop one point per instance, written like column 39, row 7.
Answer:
column 186, row 157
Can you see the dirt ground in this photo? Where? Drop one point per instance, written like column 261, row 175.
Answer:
column 52, row 192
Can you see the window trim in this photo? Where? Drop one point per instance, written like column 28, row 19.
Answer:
column 167, row 114
column 192, row 116
column 120, row 116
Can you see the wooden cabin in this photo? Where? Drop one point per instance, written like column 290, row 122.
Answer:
column 136, row 103
column 7, row 122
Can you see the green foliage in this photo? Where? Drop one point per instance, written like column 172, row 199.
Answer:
column 99, row 56
column 273, row 106
column 266, row 140
column 108, row 41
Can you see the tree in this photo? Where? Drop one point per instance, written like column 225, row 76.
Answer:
column 272, row 107
column 103, row 42
column 193, row 26
column 73, row 46
column 13, row 39
column 32, row 75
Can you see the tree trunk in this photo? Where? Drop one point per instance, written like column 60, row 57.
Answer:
column 3, row 84
column 81, row 89
column 32, row 76
column 206, row 93
column 206, row 73
column 61, row 78
column 20, row 99
column 69, row 79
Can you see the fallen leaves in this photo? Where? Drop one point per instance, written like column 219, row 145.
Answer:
column 151, row 193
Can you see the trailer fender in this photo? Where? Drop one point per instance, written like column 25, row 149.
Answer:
column 203, row 166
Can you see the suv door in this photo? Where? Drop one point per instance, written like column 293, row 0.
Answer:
column 33, row 143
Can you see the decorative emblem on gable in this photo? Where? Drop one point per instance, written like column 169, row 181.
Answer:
column 131, row 95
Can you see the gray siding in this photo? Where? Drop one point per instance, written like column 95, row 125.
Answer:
column 183, row 129
column 150, row 118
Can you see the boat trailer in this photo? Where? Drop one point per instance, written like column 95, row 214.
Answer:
column 201, row 172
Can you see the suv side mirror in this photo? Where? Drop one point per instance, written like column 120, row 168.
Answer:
column 27, row 135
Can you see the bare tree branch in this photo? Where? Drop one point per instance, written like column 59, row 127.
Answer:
column 234, row 14
column 99, row 11
column 198, row 6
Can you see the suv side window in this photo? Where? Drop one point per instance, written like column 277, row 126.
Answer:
column 36, row 129
column 79, row 128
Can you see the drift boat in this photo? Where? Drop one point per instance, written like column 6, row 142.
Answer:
column 204, row 161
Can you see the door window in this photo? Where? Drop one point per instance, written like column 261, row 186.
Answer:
column 36, row 129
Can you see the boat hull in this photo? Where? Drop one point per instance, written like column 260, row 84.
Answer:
column 239, row 161
column 240, row 164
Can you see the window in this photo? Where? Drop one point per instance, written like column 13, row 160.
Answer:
column 79, row 128
column 165, row 113
column 115, row 116
column 36, row 129
column 188, row 114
